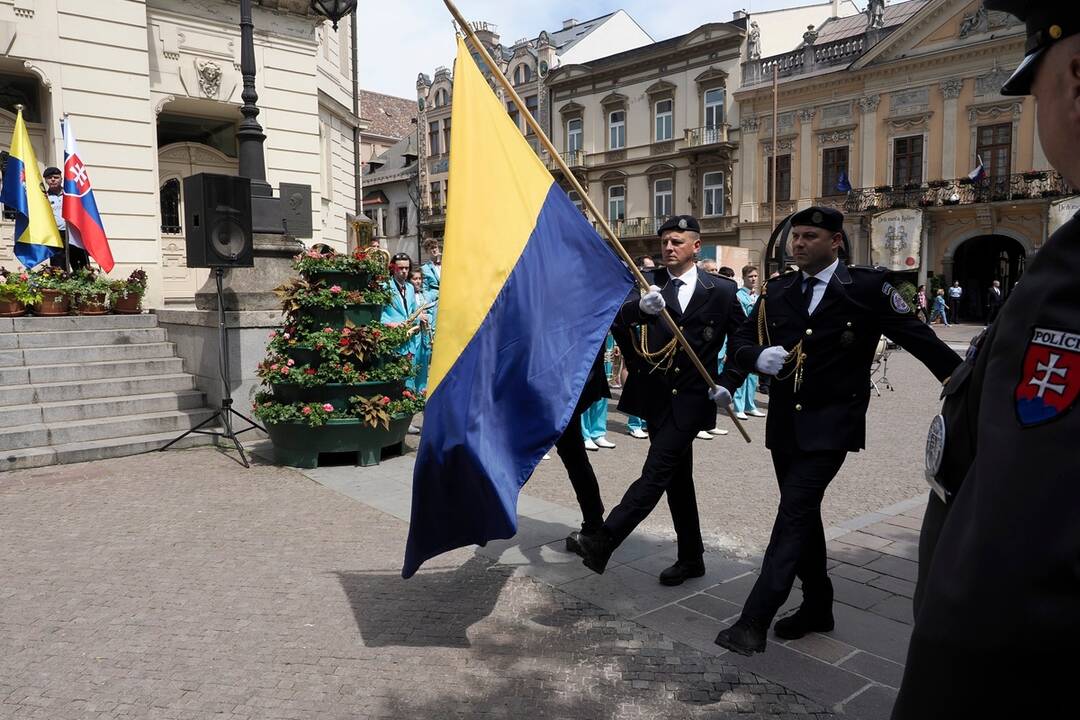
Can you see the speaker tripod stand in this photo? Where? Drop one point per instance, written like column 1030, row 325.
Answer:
column 226, row 412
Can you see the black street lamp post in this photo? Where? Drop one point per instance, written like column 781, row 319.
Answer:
column 333, row 10
column 249, row 135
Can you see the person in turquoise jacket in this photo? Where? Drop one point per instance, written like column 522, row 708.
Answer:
column 427, row 329
column 744, row 396
column 432, row 269
column 403, row 309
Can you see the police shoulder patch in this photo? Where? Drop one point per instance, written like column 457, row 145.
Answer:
column 1049, row 381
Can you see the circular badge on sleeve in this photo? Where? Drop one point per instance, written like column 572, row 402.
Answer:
column 935, row 448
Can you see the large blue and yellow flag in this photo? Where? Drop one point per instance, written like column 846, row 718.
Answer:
column 36, row 235
column 527, row 295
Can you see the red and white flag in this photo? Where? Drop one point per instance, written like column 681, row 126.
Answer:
column 80, row 212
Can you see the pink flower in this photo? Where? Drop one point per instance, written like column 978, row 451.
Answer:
column 284, row 371
column 335, row 288
column 273, row 334
column 24, row 277
column 274, row 366
column 385, row 400
column 291, row 362
column 285, row 335
column 306, row 410
column 328, row 329
column 392, row 325
column 328, row 407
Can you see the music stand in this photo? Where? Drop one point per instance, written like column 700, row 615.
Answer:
column 226, row 411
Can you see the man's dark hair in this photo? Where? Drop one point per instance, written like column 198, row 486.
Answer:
column 401, row 256
column 726, row 271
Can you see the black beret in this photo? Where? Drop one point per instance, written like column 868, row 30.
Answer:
column 680, row 223
column 822, row 217
column 50, row 171
column 1047, row 22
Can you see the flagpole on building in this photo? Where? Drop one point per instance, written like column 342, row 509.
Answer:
column 63, row 173
column 775, row 150
column 609, row 234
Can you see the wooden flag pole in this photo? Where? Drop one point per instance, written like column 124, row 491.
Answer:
column 609, row 234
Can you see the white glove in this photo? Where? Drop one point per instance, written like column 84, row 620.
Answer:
column 720, row 396
column 771, row 360
column 652, row 302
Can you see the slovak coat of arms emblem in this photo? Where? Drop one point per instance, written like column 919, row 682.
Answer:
column 1050, row 379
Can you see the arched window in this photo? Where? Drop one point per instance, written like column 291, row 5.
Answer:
column 440, row 97
column 522, row 74
column 170, row 208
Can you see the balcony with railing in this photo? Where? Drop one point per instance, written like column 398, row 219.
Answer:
column 635, row 227
column 708, row 135
column 1034, row 185
column 572, row 158
column 433, row 213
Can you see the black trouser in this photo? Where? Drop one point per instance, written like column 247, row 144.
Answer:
column 797, row 545
column 669, row 467
column 78, row 256
column 933, row 521
column 954, row 306
column 575, row 458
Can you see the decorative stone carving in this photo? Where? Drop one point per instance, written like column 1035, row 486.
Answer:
column 811, row 35
column 950, row 89
column 785, row 121
column 783, row 144
column 750, row 124
column 209, row 78
column 910, row 101
column 995, row 111
column 875, row 14
column 753, row 42
column 806, row 115
column 834, row 137
column 839, row 114
column 990, row 83
column 910, row 122
column 161, row 103
column 869, row 103
column 976, row 22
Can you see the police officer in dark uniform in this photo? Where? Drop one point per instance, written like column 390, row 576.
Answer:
column 665, row 389
column 815, row 331
column 1001, row 603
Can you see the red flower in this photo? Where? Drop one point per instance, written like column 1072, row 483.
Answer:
column 310, row 371
column 407, row 394
column 385, row 400
column 335, row 288
column 343, row 342
column 328, row 407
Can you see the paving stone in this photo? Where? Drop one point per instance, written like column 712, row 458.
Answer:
column 685, row 626
column 717, row 568
column 894, row 585
column 821, row 681
column 857, row 594
column 863, row 540
column 876, row 668
column 737, row 590
column 871, row 632
column 714, row 607
column 906, row 521
column 822, row 647
column 850, row 554
column 908, row 551
column 896, row 567
column 892, row 532
column 852, row 572
column 896, row 607
column 623, row 590
column 874, row 703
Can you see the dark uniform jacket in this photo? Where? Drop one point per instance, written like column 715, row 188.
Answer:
column 596, row 384
column 828, row 411
column 1003, row 591
column 679, row 393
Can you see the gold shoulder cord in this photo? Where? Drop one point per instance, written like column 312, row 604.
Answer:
column 662, row 359
column 797, row 355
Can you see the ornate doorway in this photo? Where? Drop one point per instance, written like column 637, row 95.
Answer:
column 176, row 162
column 981, row 260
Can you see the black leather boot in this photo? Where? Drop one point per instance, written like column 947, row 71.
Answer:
column 745, row 637
column 681, row 571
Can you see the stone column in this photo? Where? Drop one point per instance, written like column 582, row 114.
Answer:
column 924, row 253
column 950, row 91
column 868, row 127
column 1039, row 161
column 749, row 202
column 806, row 157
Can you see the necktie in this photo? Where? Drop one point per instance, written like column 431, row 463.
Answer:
column 678, row 286
column 808, row 292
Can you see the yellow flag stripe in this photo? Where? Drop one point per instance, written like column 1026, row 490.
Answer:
column 41, row 230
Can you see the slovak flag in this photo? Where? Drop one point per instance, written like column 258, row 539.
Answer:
column 979, row 172
column 84, row 227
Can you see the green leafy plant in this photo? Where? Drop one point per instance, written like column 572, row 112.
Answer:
column 86, row 284
column 16, row 287
column 51, row 278
column 310, row 414
column 134, row 284
column 361, row 261
column 301, row 294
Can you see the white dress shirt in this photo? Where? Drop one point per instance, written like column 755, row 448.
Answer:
column 686, row 290
column 823, row 282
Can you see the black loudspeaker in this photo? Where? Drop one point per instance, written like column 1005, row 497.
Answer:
column 217, row 221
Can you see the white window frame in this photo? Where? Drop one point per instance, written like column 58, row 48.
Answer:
column 616, row 202
column 616, row 130
column 571, row 134
column 575, row 199
column 663, row 197
column 664, row 121
column 710, row 193
column 716, row 107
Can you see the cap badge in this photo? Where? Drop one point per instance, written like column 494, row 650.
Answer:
column 682, row 223
column 1055, row 32
column 817, row 217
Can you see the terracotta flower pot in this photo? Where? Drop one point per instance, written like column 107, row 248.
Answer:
column 11, row 308
column 129, row 305
column 93, row 305
column 52, row 304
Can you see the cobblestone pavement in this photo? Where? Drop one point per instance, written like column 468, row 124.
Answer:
column 736, row 488
column 178, row 585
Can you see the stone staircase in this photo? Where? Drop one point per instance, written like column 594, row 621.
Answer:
column 83, row 388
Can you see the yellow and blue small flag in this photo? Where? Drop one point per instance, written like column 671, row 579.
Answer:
column 36, row 234
column 527, row 295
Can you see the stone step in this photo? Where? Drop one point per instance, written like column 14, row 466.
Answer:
column 77, row 431
column 81, row 338
column 89, row 389
column 89, row 371
column 69, row 410
column 95, row 353
column 77, row 322
column 77, row 452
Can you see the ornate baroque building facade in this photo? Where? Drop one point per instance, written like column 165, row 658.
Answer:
column 153, row 91
column 902, row 112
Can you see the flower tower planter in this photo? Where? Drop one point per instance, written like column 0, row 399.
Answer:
column 334, row 378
